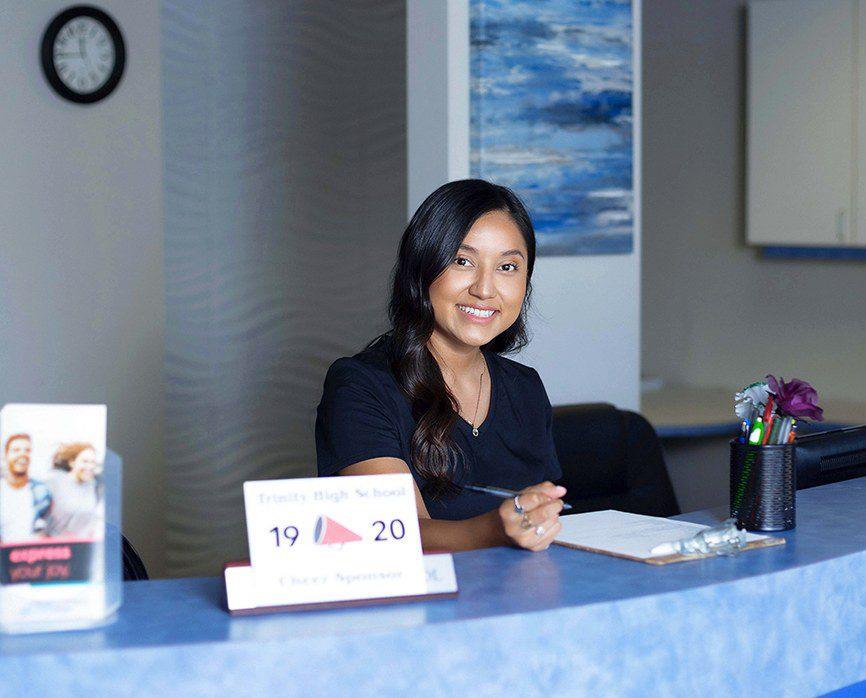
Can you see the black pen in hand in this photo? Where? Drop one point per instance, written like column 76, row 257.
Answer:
column 501, row 492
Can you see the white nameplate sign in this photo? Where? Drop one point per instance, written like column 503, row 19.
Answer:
column 318, row 540
column 242, row 599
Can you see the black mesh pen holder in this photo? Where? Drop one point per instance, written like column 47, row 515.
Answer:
column 763, row 486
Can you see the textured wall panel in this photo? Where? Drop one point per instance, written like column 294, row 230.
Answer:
column 284, row 128
column 81, row 285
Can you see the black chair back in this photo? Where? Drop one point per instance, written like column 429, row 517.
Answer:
column 611, row 459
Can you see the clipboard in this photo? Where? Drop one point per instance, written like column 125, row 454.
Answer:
column 615, row 526
column 667, row 559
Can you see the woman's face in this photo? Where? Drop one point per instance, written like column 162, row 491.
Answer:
column 479, row 295
column 84, row 465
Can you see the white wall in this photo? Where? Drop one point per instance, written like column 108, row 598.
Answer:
column 81, row 285
column 586, row 318
column 437, row 96
column 715, row 312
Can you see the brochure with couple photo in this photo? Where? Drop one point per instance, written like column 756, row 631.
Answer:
column 52, row 515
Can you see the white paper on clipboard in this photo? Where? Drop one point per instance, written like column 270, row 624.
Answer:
column 627, row 535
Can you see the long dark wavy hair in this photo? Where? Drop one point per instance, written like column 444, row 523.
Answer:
column 429, row 245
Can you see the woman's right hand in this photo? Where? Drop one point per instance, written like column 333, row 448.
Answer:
column 538, row 525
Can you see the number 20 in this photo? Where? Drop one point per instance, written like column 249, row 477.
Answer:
column 396, row 528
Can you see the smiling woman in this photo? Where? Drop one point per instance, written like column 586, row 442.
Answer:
column 435, row 397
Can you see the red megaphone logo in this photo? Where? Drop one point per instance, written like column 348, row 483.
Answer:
column 329, row 532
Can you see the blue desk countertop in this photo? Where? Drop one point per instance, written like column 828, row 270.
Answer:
column 791, row 617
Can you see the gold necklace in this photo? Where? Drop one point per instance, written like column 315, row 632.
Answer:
column 477, row 403
column 480, row 384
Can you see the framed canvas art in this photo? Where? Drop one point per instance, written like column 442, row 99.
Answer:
column 551, row 116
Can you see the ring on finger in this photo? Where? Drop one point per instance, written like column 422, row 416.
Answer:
column 539, row 531
column 525, row 523
column 517, row 507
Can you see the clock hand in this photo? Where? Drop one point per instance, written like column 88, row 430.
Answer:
column 88, row 63
column 84, row 55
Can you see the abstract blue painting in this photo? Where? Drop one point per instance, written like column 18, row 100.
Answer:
column 551, row 116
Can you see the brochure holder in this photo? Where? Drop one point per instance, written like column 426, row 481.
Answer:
column 66, row 581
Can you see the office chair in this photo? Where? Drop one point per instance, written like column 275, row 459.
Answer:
column 133, row 567
column 611, row 459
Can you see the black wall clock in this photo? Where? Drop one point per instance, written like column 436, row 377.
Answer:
column 83, row 54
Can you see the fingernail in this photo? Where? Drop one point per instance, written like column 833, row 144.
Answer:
column 560, row 490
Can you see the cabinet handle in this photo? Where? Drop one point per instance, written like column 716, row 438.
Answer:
column 840, row 225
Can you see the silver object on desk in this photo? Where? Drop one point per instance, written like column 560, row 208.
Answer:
column 723, row 539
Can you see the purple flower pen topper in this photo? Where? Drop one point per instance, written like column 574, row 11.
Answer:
column 795, row 398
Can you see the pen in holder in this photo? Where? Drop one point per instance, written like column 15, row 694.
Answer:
column 763, row 486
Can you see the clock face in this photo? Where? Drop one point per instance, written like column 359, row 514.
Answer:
column 83, row 54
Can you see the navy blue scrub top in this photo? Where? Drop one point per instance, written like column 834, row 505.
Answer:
column 364, row 414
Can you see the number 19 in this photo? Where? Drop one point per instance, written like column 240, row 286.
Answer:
column 289, row 533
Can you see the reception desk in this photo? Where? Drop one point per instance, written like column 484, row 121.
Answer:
column 791, row 617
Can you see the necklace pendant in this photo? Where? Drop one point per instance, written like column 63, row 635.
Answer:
column 474, row 431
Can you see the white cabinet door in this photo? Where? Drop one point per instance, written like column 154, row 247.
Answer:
column 800, row 134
